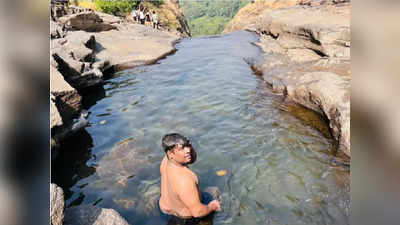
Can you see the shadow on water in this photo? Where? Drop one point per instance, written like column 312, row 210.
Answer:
column 72, row 162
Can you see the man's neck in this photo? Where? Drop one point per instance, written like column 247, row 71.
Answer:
column 176, row 164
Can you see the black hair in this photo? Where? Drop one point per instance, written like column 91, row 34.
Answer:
column 169, row 141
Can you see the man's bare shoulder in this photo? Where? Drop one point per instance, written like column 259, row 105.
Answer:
column 184, row 179
column 180, row 174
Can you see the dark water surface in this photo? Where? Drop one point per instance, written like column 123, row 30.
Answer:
column 279, row 169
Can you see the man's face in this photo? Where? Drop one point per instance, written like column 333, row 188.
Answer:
column 181, row 154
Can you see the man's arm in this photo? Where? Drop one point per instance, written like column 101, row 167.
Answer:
column 188, row 193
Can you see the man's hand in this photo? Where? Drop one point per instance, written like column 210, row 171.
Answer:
column 214, row 205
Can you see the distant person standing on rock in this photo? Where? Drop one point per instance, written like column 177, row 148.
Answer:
column 147, row 17
column 134, row 15
column 141, row 16
column 155, row 20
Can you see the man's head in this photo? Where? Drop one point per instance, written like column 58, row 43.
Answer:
column 179, row 148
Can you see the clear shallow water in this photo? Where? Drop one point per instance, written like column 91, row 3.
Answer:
column 279, row 169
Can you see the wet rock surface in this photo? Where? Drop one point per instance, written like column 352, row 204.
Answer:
column 123, row 161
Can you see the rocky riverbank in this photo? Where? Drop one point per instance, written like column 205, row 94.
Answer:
column 306, row 57
column 85, row 47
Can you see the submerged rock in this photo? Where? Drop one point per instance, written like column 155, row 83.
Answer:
column 148, row 201
column 123, row 161
column 213, row 191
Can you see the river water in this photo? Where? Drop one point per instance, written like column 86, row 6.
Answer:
column 278, row 168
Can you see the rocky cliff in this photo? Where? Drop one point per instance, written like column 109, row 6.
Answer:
column 307, row 55
column 171, row 16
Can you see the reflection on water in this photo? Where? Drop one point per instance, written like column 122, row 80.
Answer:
column 279, row 168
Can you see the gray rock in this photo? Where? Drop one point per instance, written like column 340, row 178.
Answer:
column 56, row 30
column 86, row 39
column 109, row 19
column 80, row 122
column 134, row 45
column 56, row 205
column 63, row 60
column 124, row 160
column 148, row 201
column 67, row 99
column 76, row 9
column 330, row 94
column 58, row 9
column 308, row 59
column 55, row 118
column 101, row 65
column 324, row 30
column 87, row 21
column 213, row 191
column 73, row 57
column 318, row 86
column 93, row 215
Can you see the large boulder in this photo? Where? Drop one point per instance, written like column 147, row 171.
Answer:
column 67, row 99
column 74, row 57
column 247, row 16
column 93, row 215
column 56, row 30
column 123, row 49
column 87, row 21
column 57, row 205
column 126, row 159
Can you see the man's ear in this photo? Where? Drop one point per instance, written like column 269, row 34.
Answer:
column 170, row 153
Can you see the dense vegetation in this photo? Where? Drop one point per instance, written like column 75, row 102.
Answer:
column 209, row 17
column 116, row 7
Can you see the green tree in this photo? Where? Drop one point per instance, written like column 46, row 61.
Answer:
column 209, row 17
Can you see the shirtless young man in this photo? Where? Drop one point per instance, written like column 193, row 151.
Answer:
column 180, row 193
